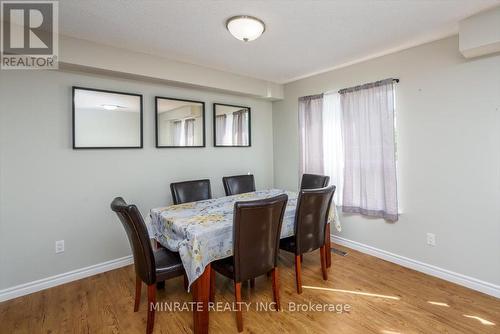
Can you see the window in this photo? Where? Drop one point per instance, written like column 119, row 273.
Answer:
column 358, row 149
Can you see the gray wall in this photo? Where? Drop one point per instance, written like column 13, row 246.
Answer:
column 448, row 112
column 51, row 192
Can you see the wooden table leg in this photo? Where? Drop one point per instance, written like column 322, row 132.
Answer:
column 201, row 295
column 328, row 247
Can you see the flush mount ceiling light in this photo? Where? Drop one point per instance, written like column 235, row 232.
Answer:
column 245, row 28
column 111, row 107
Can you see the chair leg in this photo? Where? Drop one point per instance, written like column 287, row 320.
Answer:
column 138, row 286
column 276, row 288
column 298, row 274
column 151, row 311
column 186, row 282
column 328, row 249
column 322, row 252
column 239, row 315
column 160, row 285
column 268, row 274
column 212, row 286
column 301, row 258
column 252, row 283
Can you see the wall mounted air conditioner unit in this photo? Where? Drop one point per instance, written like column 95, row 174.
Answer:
column 479, row 35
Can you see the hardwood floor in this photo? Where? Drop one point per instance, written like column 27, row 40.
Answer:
column 387, row 299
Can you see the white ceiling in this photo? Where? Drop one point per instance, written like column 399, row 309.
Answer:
column 92, row 100
column 301, row 37
column 165, row 104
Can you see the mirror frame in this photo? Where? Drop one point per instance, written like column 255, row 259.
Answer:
column 156, row 121
column 249, row 124
column 74, row 88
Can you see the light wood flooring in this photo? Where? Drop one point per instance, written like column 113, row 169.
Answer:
column 387, row 299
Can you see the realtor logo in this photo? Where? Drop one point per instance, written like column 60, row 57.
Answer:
column 29, row 38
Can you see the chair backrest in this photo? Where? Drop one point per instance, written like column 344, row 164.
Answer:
column 238, row 184
column 138, row 237
column 311, row 217
column 190, row 191
column 256, row 235
column 314, row 181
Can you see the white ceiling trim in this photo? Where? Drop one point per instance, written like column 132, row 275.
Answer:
column 80, row 55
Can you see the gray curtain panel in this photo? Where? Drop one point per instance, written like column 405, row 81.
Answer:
column 311, row 134
column 189, row 132
column 244, row 128
column 370, row 183
column 240, row 128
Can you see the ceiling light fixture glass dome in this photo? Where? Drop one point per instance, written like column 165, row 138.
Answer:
column 245, row 28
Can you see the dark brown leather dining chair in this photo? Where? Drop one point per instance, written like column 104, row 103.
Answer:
column 256, row 234
column 310, row 225
column 190, row 191
column 314, row 181
column 238, row 184
column 150, row 267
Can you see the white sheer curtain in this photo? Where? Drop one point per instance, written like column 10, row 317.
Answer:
column 189, row 132
column 370, row 183
column 311, row 134
column 333, row 143
column 220, row 129
column 177, row 133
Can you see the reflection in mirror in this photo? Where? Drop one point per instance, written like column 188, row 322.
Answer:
column 231, row 125
column 180, row 123
column 106, row 119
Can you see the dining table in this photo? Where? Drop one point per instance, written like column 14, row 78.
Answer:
column 202, row 232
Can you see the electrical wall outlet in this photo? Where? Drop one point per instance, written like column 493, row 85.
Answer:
column 431, row 239
column 59, row 246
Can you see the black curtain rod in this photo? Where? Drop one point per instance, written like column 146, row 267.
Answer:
column 368, row 85
column 351, row 89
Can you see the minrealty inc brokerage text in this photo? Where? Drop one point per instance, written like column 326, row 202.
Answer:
column 249, row 306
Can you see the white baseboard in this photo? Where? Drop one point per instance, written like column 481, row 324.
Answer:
column 467, row 281
column 49, row 282
column 447, row 275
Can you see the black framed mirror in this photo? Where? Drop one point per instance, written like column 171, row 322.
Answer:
column 232, row 126
column 104, row 119
column 179, row 123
